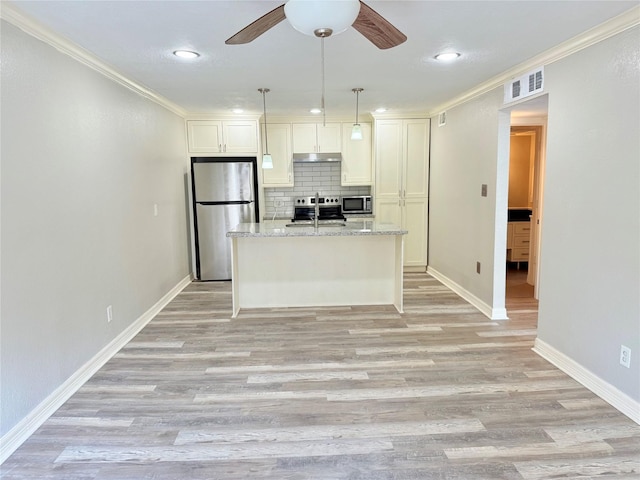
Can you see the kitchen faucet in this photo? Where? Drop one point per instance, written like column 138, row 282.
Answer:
column 316, row 210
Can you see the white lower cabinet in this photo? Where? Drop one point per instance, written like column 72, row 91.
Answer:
column 401, row 186
column 279, row 138
column 518, row 239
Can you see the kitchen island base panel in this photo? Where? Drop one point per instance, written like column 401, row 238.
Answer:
column 317, row 271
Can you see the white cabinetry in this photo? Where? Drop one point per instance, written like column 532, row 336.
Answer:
column 317, row 138
column 401, row 186
column 281, row 175
column 518, row 239
column 222, row 136
column 356, row 156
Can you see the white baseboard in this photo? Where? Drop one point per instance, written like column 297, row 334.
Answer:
column 604, row 390
column 488, row 310
column 15, row 437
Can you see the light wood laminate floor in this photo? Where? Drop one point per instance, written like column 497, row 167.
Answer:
column 439, row 392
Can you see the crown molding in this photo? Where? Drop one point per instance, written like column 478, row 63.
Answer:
column 614, row 26
column 14, row 16
column 223, row 116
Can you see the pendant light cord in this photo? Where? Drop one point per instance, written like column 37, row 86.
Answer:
column 324, row 116
column 264, row 108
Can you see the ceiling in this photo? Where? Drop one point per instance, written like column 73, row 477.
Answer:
column 137, row 38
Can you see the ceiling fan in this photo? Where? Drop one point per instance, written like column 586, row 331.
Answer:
column 314, row 17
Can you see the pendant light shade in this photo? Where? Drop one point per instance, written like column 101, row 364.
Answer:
column 307, row 16
column 356, row 131
column 267, row 161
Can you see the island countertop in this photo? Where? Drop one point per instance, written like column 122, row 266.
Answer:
column 278, row 228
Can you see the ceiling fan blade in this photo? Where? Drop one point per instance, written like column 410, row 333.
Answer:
column 257, row 28
column 377, row 29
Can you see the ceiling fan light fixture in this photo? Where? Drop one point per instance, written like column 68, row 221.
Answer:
column 307, row 16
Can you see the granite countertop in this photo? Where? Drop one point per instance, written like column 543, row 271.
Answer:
column 278, row 228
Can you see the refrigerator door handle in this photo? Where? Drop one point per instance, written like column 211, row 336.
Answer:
column 233, row 202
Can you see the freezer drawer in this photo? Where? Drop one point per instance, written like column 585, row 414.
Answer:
column 213, row 253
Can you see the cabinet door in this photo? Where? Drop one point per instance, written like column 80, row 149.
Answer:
column 329, row 138
column 356, row 156
column 388, row 211
column 388, row 160
column 416, row 143
column 415, row 222
column 304, row 138
column 204, row 136
column 240, row 136
column 281, row 175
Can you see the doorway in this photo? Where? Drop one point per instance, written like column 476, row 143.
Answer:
column 526, row 182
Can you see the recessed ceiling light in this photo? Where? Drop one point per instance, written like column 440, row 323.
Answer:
column 237, row 110
column 447, row 57
column 315, row 111
column 381, row 110
column 186, row 54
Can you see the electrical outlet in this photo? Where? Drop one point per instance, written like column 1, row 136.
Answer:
column 625, row 356
column 278, row 203
column 155, row 209
column 483, row 190
column 109, row 313
column 478, row 266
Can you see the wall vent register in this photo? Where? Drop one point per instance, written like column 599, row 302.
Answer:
column 525, row 85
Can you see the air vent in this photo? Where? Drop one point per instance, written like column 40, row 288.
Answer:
column 524, row 86
column 442, row 119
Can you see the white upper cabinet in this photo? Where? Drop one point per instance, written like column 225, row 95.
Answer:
column 279, row 138
column 317, row 138
column 356, row 156
column 222, row 136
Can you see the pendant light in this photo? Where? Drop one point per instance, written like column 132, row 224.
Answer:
column 356, row 131
column 267, row 161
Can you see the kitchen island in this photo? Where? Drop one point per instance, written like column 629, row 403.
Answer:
column 275, row 265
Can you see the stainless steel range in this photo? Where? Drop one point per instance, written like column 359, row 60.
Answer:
column 328, row 209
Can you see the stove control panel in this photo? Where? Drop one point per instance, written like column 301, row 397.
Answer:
column 311, row 201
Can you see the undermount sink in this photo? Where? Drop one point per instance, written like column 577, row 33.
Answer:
column 320, row 224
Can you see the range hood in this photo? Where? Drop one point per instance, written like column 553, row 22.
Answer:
column 316, row 157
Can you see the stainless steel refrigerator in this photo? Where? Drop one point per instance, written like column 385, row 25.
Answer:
column 224, row 195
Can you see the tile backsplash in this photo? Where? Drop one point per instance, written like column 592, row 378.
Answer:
column 309, row 178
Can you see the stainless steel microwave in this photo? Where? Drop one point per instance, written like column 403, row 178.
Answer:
column 356, row 204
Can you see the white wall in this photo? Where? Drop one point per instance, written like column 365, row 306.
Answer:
column 465, row 227
column 83, row 161
column 590, row 257
column 590, row 249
